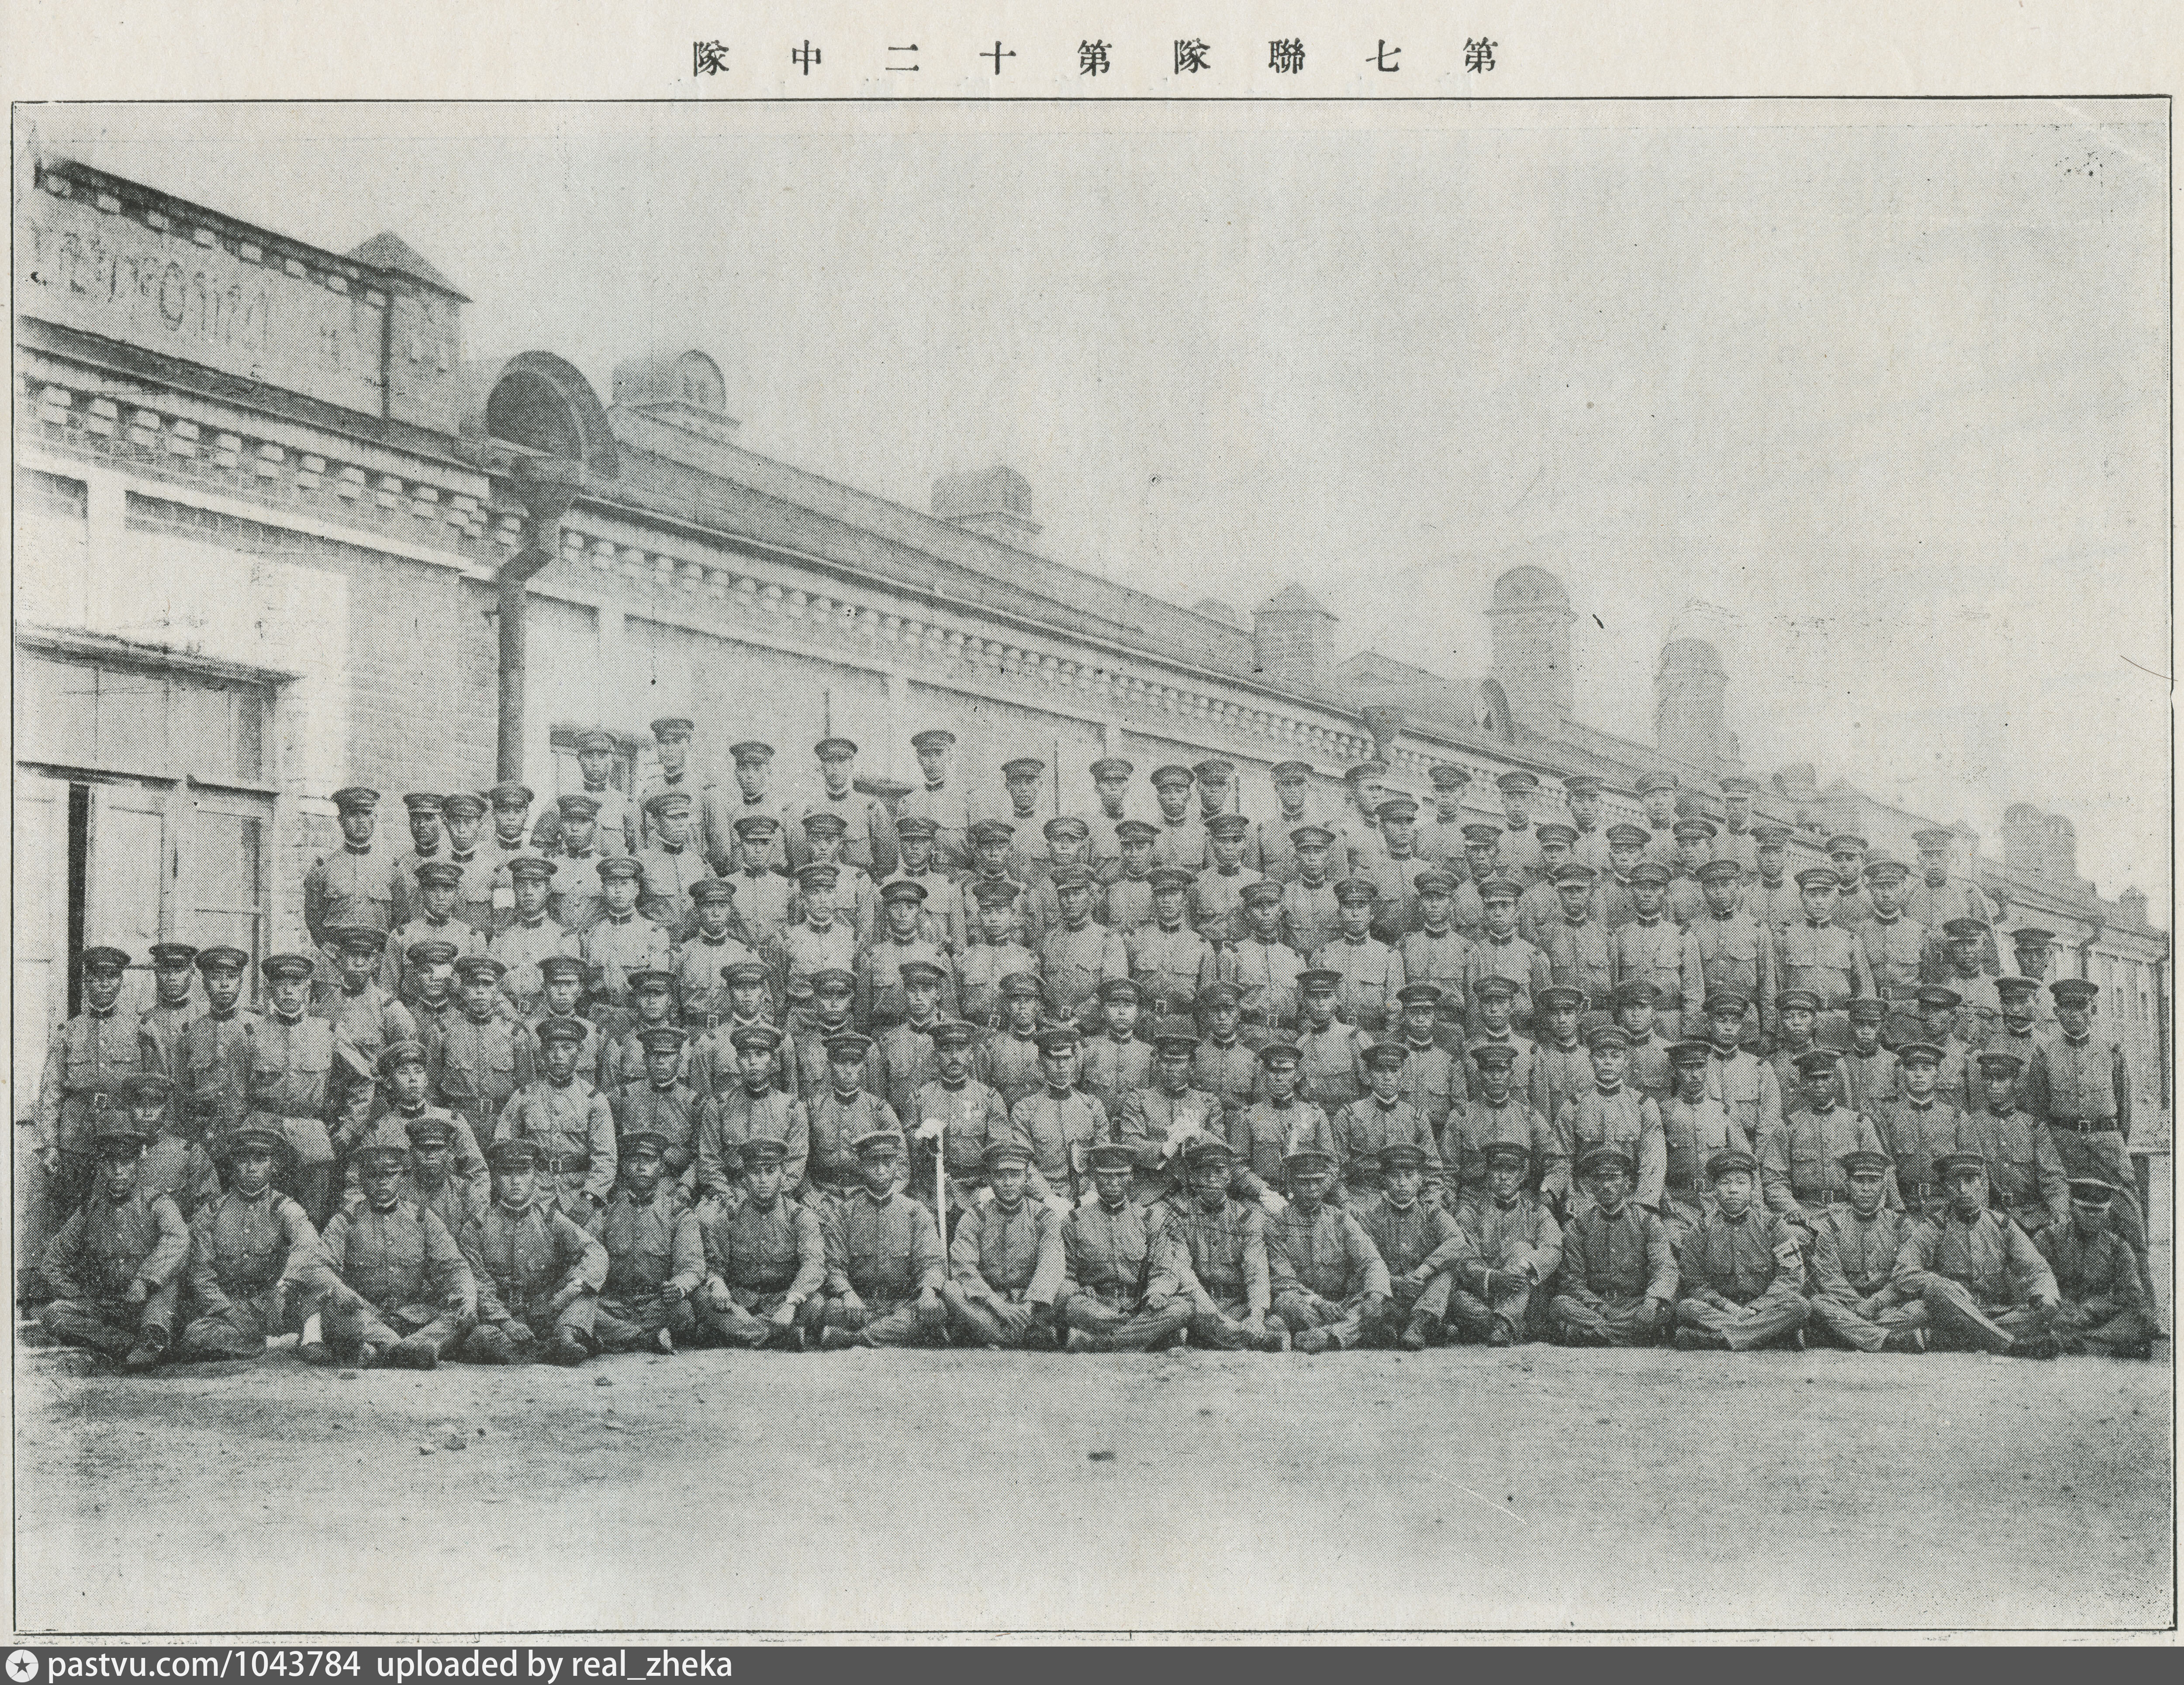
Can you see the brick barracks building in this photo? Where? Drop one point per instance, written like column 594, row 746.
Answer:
column 275, row 534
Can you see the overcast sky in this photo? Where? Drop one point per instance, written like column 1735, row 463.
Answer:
column 1875, row 396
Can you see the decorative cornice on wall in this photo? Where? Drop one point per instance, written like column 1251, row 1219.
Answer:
column 176, row 434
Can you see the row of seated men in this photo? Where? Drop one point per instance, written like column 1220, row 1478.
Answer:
column 521, row 1278
column 297, row 1067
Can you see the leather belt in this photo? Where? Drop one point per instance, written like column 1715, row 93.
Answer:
column 2086, row 1126
column 1898, row 991
column 560, row 1163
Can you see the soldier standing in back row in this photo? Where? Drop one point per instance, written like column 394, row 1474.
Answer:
column 173, row 1006
column 1818, row 954
column 941, row 799
column 352, row 887
column 569, row 1127
column 427, row 842
column 1940, row 895
column 611, row 807
column 671, row 743
column 2080, row 1086
column 91, row 1055
column 211, row 1061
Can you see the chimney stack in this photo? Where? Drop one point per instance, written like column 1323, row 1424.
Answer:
column 1293, row 640
column 1532, row 615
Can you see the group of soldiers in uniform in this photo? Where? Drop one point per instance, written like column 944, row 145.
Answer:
column 711, row 1067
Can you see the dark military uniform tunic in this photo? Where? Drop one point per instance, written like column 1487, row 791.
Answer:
column 474, row 1067
column 730, row 1119
column 1323, row 1269
column 993, row 1254
column 1225, row 1251
column 1611, row 1266
column 405, row 1276
column 650, row 1243
column 672, row 1113
column 573, row 1129
column 1854, row 1298
column 2105, row 1311
column 212, row 1061
column 90, row 1058
column 1741, row 1278
column 887, row 1250
column 1113, row 1261
column 762, row 1257
column 1058, row 1131
column 91, row 1261
column 1981, row 1279
column 252, row 1258
column 522, row 1260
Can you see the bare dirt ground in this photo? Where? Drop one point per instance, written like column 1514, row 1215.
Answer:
column 890, row 1493
column 898, row 1491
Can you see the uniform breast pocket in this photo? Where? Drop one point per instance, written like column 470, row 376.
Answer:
column 499, row 1061
column 1809, row 1170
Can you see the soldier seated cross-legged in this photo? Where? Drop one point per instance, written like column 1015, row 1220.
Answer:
column 1122, row 1287
column 1422, row 1246
column 2104, row 1310
column 655, row 1254
column 1856, row 1301
column 1222, row 1243
column 255, row 1263
column 884, row 1262
column 402, row 1293
column 1329, row 1283
column 1738, row 1267
column 115, row 1267
column 539, row 1274
column 1983, row 1283
column 765, row 1258
column 1619, row 1278
column 1515, row 1248
column 1005, row 1260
